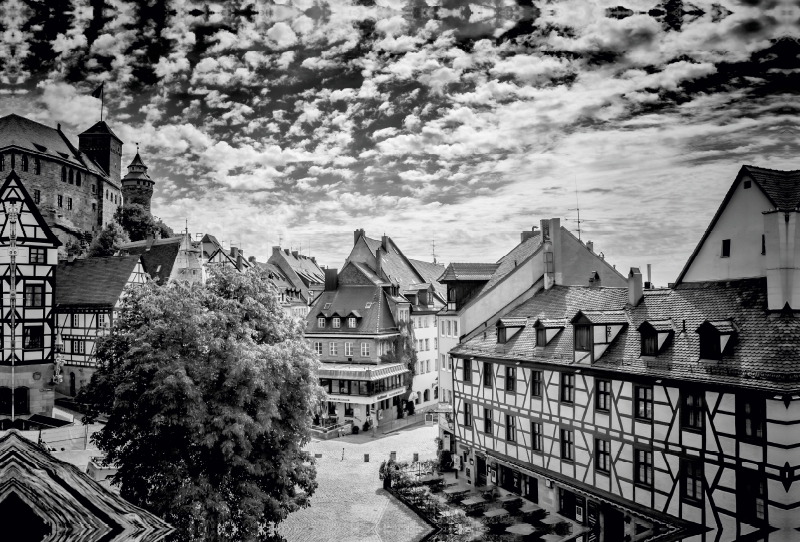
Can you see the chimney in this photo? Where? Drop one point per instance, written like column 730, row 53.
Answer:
column 551, row 239
column 239, row 258
column 781, row 239
column 378, row 261
column 590, row 245
column 234, row 252
column 635, row 293
column 356, row 234
column 286, row 251
column 331, row 280
column 649, row 284
column 385, row 243
column 313, row 259
column 294, row 253
column 276, row 250
column 525, row 235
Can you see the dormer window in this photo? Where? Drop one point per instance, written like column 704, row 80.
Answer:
column 351, row 322
column 654, row 336
column 451, row 299
column 337, row 322
column 320, row 322
column 594, row 332
column 716, row 338
column 583, row 338
column 507, row 328
column 546, row 330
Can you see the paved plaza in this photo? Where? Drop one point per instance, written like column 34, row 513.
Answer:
column 350, row 504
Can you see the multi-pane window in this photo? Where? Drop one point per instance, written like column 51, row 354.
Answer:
column 567, row 444
column 332, row 349
column 511, row 428
column 487, row 421
column 363, row 387
column 536, row 437
column 76, row 320
column 751, row 495
column 467, row 414
column 344, row 387
column 365, row 349
column 511, row 379
column 34, row 295
column 337, row 322
column 60, row 200
column 427, row 344
column 320, row 322
column 37, row 196
column 541, row 336
column 567, row 388
column 69, row 204
column 644, row 402
column 603, row 395
column 455, row 328
column 33, row 337
column 602, row 455
column 448, row 328
column 351, row 322
column 101, row 320
column 644, row 467
column 318, row 347
column 583, row 338
column 348, row 349
column 693, row 480
column 78, row 346
column 487, row 374
column 750, row 416
column 466, row 372
column 649, row 344
column 536, row 383
column 692, row 410
column 38, row 255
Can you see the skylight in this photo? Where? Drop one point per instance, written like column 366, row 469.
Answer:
column 326, row 307
column 368, row 305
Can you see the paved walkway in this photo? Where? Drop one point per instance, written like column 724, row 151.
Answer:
column 350, row 504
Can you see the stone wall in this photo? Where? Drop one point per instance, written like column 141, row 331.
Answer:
column 41, row 393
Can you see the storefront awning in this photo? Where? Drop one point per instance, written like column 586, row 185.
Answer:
column 356, row 371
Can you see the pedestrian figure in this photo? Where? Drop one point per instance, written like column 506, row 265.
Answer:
column 342, row 454
column 457, row 464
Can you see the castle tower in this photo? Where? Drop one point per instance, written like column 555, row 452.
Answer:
column 137, row 186
column 104, row 147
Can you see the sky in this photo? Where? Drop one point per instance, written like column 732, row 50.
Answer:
column 439, row 121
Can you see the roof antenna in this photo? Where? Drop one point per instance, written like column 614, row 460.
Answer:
column 433, row 250
column 577, row 208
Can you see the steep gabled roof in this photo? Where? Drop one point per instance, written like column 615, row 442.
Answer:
column 347, row 299
column 101, row 127
column 277, row 276
column 477, row 272
column 93, row 281
column 31, row 226
column 431, row 272
column 158, row 256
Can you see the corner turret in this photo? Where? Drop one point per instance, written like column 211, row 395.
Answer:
column 137, row 186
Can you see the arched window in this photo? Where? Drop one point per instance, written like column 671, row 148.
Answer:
column 21, row 401
column 71, row 177
column 426, row 396
column 78, row 178
column 37, row 166
column 5, row 400
column 24, row 160
column 63, row 174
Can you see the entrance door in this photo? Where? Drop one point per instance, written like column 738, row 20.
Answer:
column 481, row 468
column 613, row 523
column 72, row 384
column 531, row 489
column 566, row 504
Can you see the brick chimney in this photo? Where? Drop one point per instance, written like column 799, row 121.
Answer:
column 385, row 242
column 331, row 279
column 378, row 261
column 234, row 252
column 239, row 258
column 781, row 240
column 635, row 292
column 590, row 245
column 551, row 240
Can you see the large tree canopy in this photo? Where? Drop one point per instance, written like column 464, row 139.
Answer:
column 208, row 391
column 138, row 223
column 107, row 243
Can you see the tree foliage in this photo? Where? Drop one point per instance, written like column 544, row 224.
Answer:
column 135, row 219
column 107, row 243
column 208, row 391
column 404, row 351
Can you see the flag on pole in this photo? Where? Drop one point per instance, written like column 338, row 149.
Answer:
column 98, row 92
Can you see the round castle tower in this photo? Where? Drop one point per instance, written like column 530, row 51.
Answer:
column 137, row 186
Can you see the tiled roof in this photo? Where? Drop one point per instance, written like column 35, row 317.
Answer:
column 602, row 317
column 100, row 127
column 550, row 323
column 766, row 354
column 395, row 266
column 93, row 281
column 512, row 322
column 368, row 273
column 468, row 272
column 431, row 272
column 518, row 254
column 159, row 258
column 277, row 277
column 723, row 326
column 346, row 299
column 782, row 187
column 658, row 325
column 44, row 141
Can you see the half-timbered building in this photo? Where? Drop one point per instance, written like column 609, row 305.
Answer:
column 657, row 414
column 89, row 293
column 28, row 257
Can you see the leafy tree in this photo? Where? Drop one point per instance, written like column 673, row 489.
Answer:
column 208, row 392
column 136, row 221
column 403, row 350
column 162, row 230
column 107, row 243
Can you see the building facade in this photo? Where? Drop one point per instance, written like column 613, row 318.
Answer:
column 667, row 414
column 302, row 271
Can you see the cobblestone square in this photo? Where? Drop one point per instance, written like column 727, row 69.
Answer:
column 350, row 504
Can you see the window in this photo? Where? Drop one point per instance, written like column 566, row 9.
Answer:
column 487, row 421
column 344, row 387
column 511, row 379
column 21, row 400
column 747, row 184
column 435, row 343
column 3, row 167
column 649, row 343
column 644, row 402
column 94, row 189
column 101, row 320
column 318, row 347
column 363, row 388
column 536, row 383
column 541, row 336
column 567, row 445
column 751, row 495
column 351, row 322
column 78, row 179
column 709, row 345
column 24, row 161
column 603, row 397
column 427, row 344
column 763, row 244
column 32, row 337
column 567, row 388
column 750, row 414
column 467, row 415
column 726, row 248
column 548, row 262
column 448, row 328
column 69, row 204
column 60, row 200
column 455, row 328
column 487, row 374
column 5, row 393
column 450, row 363
column 320, row 322
column 34, row 295
column 365, row 349
column 348, row 349
column 348, row 410
column 78, row 346
column 602, row 455
column 71, row 177
column 644, row 467
column 337, row 322
column 428, row 366
column 38, row 255
column 583, row 338
column 466, row 373
column 693, row 480
column 501, row 335
column 76, row 320
column 37, row 196
column 63, row 174
column 511, row 428
column 332, row 349
column 536, row 437
column 692, row 411
column 37, row 166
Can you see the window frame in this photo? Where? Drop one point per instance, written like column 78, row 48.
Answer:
column 758, row 413
column 351, row 322
column 752, row 490
column 541, row 337
column 537, row 383
column 488, row 426
column 75, row 320
column 567, row 444
column 488, row 374
column 578, row 331
column 318, row 347
column 693, row 415
column 37, row 255
column 725, row 251
column 320, row 321
column 333, row 349
column 602, row 455
column 337, row 322
column 466, row 370
column 33, row 293
column 348, row 349
column 27, row 335
column 467, row 414
column 537, row 437
column 692, row 480
column 649, row 343
column 511, row 428
column 511, row 379
column 365, row 349
column 641, row 403
column 602, row 397
column 643, row 465
column 567, row 388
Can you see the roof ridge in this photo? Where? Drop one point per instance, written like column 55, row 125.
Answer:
column 771, row 169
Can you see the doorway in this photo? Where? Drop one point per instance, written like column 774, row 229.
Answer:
column 481, row 468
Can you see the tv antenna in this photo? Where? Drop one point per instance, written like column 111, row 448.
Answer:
column 578, row 209
column 433, row 250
